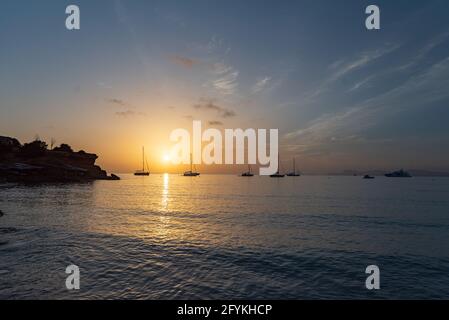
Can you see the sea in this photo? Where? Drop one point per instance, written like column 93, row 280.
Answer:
column 226, row 237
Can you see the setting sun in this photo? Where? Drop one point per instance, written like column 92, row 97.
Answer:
column 166, row 158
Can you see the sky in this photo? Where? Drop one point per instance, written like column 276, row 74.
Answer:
column 342, row 97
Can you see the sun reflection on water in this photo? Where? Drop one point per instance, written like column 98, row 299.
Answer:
column 165, row 192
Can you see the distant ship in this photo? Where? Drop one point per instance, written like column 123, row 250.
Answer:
column 399, row 174
column 143, row 172
column 277, row 174
column 247, row 173
column 293, row 173
column 367, row 176
column 191, row 173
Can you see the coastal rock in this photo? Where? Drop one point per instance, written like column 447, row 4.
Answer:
column 7, row 143
column 114, row 177
column 34, row 163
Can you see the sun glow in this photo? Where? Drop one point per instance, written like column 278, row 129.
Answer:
column 166, row 158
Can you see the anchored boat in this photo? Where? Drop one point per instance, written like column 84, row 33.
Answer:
column 248, row 173
column 293, row 173
column 191, row 173
column 399, row 174
column 277, row 174
column 143, row 172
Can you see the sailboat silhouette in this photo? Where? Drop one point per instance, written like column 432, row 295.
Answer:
column 277, row 174
column 293, row 173
column 248, row 173
column 191, row 173
column 143, row 172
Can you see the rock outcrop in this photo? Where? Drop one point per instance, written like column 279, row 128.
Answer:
column 34, row 163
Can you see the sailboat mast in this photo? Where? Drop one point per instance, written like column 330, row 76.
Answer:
column 191, row 169
column 143, row 159
column 294, row 167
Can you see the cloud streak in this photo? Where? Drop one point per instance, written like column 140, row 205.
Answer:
column 420, row 90
column 117, row 102
column 261, row 84
column 342, row 68
column 125, row 114
column 129, row 113
column 226, row 81
column 215, row 123
column 209, row 105
column 184, row 61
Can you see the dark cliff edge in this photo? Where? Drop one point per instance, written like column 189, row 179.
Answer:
column 34, row 163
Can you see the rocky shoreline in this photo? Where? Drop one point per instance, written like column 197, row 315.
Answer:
column 34, row 163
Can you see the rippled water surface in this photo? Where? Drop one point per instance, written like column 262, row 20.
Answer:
column 222, row 236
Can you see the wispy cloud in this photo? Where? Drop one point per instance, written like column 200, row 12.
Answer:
column 184, row 61
column 215, row 123
column 411, row 65
column 261, row 84
column 129, row 113
column 216, row 47
column 425, row 50
column 222, row 77
column 215, row 44
column 126, row 113
column 117, row 102
column 362, row 83
column 210, row 105
column 127, row 110
column 324, row 127
column 226, row 78
column 428, row 86
column 341, row 68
